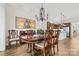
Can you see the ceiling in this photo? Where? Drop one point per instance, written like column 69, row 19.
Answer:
column 70, row 11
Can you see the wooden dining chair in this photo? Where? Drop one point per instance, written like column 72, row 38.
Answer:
column 46, row 48
column 55, row 41
column 13, row 37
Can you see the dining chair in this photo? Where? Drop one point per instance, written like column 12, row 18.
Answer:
column 46, row 48
column 55, row 41
column 13, row 37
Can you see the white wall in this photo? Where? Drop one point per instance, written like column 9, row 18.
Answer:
column 2, row 27
column 76, row 28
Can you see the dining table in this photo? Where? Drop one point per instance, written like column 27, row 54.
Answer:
column 32, row 39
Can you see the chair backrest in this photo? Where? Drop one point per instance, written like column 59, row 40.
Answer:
column 51, row 37
column 22, row 33
column 13, row 34
column 55, row 36
column 27, row 33
column 51, row 26
column 48, row 42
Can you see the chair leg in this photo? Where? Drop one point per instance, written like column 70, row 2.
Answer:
column 54, row 49
column 44, row 53
column 57, row 48
column 50, row 53
column 29, row 47
column 9, row 44
column 16, row 43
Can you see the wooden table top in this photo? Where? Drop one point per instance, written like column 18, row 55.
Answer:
column 33, row 38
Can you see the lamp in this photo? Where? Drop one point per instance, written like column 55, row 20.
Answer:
column 42, row 14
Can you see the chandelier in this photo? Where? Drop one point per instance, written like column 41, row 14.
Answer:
column 42, row 16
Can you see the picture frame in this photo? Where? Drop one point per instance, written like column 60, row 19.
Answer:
column 23, row 23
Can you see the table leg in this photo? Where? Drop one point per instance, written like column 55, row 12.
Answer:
column 29, row 48
column 32, row 49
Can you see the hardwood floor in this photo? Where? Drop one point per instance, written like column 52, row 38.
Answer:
column 16, row 51
column 67, row 47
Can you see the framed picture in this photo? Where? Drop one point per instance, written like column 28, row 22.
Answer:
column 23, row 23
column 32, row 24
column 20, row 23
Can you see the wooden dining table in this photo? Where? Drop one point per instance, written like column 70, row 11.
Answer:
column 31, row 41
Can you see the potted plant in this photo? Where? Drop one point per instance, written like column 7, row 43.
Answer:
column 40, row 31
